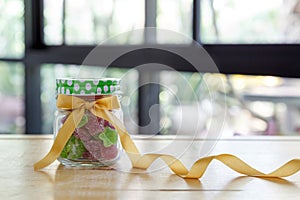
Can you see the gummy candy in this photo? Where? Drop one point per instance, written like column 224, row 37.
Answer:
column 94, row 139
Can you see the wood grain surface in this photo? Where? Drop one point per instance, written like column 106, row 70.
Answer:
column 18, row 180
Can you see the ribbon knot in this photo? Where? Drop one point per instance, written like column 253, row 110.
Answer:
column 89, row 105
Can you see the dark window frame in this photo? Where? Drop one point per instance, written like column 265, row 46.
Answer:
column 249, row 59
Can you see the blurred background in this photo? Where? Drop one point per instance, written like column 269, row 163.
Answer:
column 254, row 42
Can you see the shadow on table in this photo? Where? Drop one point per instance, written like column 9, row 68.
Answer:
column 109, row 183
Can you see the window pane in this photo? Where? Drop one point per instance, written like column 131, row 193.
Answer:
column 255, row 105
column 11, row 98
column 189, row 102
column 250, row 21
column 11, row 28
column 264, row 105
column 174, row 15
column 129, row 80
column 53, row 12
column 100, row 20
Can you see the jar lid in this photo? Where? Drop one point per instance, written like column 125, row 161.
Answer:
column 83, row 86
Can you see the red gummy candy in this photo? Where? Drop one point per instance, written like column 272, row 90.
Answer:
column 93, row 125
column 83, row 134
column 88, row 155
column 107, row 124
column 93, row 146
column 109, row 153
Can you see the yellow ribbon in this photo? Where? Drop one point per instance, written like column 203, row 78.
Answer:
column 101, row 108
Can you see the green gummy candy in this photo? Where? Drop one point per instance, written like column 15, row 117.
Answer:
column 73, row 149
column 83, row 121
column 76, row 150
column 68, row 147
column 109, row 137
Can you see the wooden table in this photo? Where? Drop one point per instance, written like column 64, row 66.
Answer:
column 18, row 180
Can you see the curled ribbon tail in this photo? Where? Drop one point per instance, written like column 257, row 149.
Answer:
column 288, row 169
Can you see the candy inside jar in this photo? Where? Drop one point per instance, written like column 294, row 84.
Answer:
column 95, row 141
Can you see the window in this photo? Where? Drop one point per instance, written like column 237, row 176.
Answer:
column 42, row 40
column 12, row 103
column 11, row 29
column 250, row 22
column 175, row 16
column 12, row 97
column 65, row 23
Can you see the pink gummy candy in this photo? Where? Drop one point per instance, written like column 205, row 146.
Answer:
column 95, row 148
column 110, row 152
column 94, row 125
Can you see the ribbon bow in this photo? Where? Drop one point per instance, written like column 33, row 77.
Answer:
column 101, row 108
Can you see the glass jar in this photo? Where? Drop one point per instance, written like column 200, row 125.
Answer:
column 95, row 141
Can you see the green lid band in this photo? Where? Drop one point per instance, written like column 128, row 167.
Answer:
column 70, row 86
